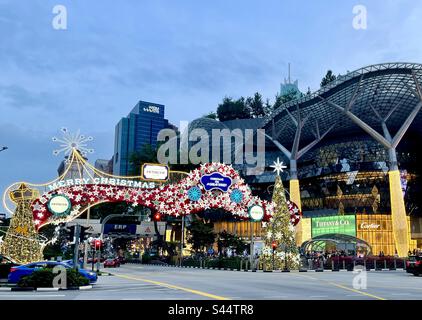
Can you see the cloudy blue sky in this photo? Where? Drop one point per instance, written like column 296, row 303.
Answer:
column 186, row 54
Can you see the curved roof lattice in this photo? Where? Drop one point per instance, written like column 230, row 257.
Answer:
column 390, row 90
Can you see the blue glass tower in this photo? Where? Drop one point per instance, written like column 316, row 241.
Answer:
column 139, row 128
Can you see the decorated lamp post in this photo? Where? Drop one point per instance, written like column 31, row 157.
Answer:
column 256, row 213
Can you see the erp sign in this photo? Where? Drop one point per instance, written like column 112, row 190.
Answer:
column 334, row 224
column 216, row 181
column 120, row 228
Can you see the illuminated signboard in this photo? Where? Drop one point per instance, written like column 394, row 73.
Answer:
column 59, row 205
column 256, row 213
column 155, row 172
column 216, row 181
column 120, row 228
column 152, row 109
column 334, row 224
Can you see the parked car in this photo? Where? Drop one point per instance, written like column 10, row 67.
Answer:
column 16, row 273
column 122, row 260
column 414, row 265
column 5, row 266
column 112, row 263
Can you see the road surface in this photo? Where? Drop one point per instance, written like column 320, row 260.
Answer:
column 139, row 282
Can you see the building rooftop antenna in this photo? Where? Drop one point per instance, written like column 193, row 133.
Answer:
column 289, row 74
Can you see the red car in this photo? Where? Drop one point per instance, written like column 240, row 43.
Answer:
column 89, row 260
column 414, row 265
column 111, row 263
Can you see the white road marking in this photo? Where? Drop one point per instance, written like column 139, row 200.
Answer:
column 33, row 295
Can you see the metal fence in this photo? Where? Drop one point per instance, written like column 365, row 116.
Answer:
column 316, row 264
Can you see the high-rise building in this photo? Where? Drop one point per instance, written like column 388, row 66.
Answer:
column 288, row 86
column 139, row 128
column 104, row 165
column 74, row 172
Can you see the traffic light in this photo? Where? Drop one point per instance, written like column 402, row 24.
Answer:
column 157, row 216
column 274, row 245
column 71, row 233
column 98, row 244
column 83, row 234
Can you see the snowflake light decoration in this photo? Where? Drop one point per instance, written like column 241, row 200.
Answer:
column 71, row 142
column 236, row 196
column 194, row 194
column 278, row 166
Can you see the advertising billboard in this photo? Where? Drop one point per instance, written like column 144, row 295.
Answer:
column 334, row 224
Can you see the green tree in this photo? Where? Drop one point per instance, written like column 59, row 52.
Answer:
column 268, row 107
column 329, row 77
column 255, row 105
column 284, row 98
column 201, row 234
column 231, row 109
column 228, row 240
column 102, row 210
column 211, row 115
column 308, row 93
column 147, row 153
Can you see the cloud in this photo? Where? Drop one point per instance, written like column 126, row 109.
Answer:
column 19, row 97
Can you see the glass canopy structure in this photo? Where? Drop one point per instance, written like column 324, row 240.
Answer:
column 378, row 104
column 337, row 242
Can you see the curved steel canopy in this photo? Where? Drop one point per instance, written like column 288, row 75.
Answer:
column 389, row 91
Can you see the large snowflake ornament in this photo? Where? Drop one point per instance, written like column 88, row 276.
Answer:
column 278, row 166
column 69, row 142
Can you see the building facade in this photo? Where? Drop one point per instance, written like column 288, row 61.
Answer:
column 352, row 151
column 140, row 128
column 104, row 165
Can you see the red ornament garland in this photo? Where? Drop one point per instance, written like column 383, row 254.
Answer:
column 170, row 199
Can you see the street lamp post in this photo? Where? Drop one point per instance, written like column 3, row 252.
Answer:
column 252, row 257
column 182, row 239
column 256, row 213
column 274, row 246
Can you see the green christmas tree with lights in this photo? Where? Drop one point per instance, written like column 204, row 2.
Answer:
column 280, row 250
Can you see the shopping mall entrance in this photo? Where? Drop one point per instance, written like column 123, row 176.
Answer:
column 337, row 243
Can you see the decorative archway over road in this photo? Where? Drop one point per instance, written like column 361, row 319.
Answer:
column 81, row 186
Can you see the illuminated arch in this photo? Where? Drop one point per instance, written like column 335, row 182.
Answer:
column 173, row 198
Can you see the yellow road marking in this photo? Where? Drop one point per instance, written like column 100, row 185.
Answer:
column 357, row 291
column 163, row 284
column 346, row 288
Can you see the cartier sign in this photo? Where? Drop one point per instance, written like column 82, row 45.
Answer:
column 369, row 226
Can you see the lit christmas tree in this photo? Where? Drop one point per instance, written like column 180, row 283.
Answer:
column 21, row 243
column 280, row 245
